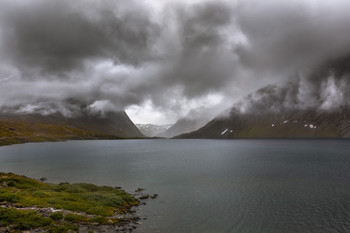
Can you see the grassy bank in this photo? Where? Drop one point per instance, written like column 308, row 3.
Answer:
column 14, row 132
column 30, row 204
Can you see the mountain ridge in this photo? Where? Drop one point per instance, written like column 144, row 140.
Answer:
column 20, row 128
column 183, row 125
column 292, row 124
column 152, row 130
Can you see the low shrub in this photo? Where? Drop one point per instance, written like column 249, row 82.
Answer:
column 58, row 215
column 9, row 197
column 108, row 199
column 22, row 191
column 76, row 218
column 22, row 219
column 100, row 220
column 99, row 210
column 66, row 227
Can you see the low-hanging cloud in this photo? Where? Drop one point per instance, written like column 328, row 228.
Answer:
column 324, row 90
column 108, row 55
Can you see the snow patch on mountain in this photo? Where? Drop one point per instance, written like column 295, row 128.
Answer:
column 151, row 130
column 223, row 132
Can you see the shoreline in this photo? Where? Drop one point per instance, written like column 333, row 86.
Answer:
column 81, row 207
column 24, row 140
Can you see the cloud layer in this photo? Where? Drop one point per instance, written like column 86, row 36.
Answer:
column 175, row 56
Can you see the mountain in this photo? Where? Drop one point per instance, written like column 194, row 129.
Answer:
column 183, row 125
column 310, row 105
column 151, row 130
column 293, row 124
column 19, row 128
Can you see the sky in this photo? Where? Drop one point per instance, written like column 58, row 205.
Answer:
column 160, row 60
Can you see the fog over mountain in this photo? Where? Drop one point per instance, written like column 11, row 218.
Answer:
column 171, row 57
column 280, row 111
column 326, row 89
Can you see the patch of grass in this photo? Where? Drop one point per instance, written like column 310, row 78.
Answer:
column 109, row 199
column 100, row 220
column 98, row 210
column 22, row 219
column 56, row 216
column 61, row 228
column 9, row 197
column 20, row 191
column 88, row 198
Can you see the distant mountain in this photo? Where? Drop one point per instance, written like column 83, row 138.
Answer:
column 313, row 105
column 183, row 125
column 293, row 124
column 17, row 128
column 151, row 130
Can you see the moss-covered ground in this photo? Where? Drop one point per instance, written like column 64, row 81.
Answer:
column 30, row 204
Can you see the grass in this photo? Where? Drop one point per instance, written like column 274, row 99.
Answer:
column 77, row 203
column 30, row 219
column 56, row 215
column 17, row 131
column 23, row 219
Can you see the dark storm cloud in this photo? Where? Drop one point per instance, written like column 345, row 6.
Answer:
column 107, row 55
column 205, row 60
column 59, row 35
column 285, row 36
column 325, row 89
column 303, row 47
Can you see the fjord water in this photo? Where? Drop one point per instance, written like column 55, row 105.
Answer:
column 208, row 185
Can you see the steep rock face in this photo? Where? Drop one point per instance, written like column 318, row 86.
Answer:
column 16, row 128
column 292, row 124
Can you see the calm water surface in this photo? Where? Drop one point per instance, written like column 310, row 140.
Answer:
column 208, row 185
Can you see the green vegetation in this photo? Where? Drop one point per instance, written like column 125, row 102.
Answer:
column 15, row 131
column 22, row 199
column 56, row 215
column 25, row 219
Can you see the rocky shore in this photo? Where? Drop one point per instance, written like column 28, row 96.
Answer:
column 31, row 206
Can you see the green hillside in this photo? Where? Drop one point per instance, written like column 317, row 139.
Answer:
column 38, row 128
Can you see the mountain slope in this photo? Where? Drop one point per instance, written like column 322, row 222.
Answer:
column 18, row 128
column 151, row 130
column 294, row 124
column 183, row 125
column 313, row 105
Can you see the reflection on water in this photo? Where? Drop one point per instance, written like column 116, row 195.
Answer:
column 208, row 185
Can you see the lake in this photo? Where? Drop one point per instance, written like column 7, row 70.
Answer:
column 208, row 185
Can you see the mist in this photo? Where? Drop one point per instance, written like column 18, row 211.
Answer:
column 174, row 58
